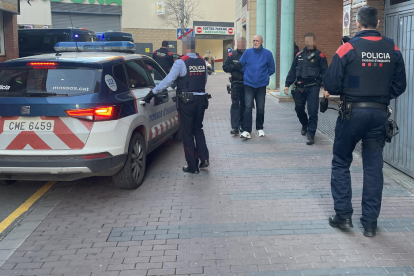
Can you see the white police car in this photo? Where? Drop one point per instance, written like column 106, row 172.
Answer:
column 77, row 114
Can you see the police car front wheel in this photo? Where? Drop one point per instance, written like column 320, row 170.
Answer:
column 132, row 174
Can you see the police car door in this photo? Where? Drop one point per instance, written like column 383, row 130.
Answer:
column 168, row 124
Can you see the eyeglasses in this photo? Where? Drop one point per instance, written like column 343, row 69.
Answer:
column 256, row 40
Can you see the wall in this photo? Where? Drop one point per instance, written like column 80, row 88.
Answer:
column 37, row 14
column 378, row 4
column 144, row 15
column 322, row 17
column 10, row 37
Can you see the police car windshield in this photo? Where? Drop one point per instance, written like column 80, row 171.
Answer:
column 24, row 82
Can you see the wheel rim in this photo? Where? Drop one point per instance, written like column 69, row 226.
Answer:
column 137, row 160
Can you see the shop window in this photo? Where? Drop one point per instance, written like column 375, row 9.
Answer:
column 395, row 2
column 2, row 45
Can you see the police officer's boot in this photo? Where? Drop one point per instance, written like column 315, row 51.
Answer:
column 187, row 170
column 370, row 232
column 304, row 130
column 234, row 131
column 310, row 141
column 334, row 221
column 204, row 164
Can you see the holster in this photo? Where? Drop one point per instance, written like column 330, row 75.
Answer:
column 345, row 109
column 391, row 130
column 186, row 98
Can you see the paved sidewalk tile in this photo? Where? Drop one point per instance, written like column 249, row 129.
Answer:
column 260, row 209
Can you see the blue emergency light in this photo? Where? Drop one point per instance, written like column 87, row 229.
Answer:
column 114, row 46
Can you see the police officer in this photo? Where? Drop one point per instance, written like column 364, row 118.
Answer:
column 233, row 66
column 191, row 74
column 367, row 72
column 306, row 72
column 164, row 57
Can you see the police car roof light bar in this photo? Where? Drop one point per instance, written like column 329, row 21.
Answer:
column 114, row 46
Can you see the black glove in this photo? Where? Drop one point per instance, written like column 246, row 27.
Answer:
column 148, row 97
column 238, row 66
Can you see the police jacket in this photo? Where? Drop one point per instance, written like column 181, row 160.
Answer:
column 180, row 70
column 369, row 68
column 164, row 58
column 308, row 66
column 229, row 65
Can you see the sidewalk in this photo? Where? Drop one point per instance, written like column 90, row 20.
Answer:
column 261, row 209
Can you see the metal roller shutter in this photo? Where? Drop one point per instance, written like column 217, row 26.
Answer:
column 94, row 22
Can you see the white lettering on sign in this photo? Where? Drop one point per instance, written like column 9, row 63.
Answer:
column 214, row 30
column 4, row 87
column 376, row 57
column 197, row 69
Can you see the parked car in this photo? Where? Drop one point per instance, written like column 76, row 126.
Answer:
column 42, row 41
column 71, row 115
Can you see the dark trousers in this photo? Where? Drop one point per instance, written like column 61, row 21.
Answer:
column 311, row 96
column 368, row 125
column 191, row 122
column 237, row 106
column 250, row 95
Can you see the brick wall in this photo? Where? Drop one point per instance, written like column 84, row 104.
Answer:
column 322, row 17
column 10, row 37
column 378, row 4
column 154, row 36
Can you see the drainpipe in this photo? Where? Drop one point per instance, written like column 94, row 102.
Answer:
column 287, row 36
column 261, row 18
column 271, row 36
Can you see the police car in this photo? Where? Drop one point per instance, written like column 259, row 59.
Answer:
column 77, row 113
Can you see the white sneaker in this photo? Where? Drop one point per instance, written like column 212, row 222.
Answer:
column 245, row 135
column 261, row 133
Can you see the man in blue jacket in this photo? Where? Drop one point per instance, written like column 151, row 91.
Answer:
column 258, row 65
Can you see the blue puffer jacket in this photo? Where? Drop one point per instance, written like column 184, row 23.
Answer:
column 258, row 66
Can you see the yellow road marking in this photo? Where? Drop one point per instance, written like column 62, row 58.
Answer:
column 25, row 206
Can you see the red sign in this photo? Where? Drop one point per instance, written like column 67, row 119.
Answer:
column 199, row 30
column 230, row 30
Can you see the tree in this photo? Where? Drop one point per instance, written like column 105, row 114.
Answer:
column 174, row 12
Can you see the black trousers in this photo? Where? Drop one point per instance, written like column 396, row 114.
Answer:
column 368, row 125
column 237, row 106
column 310, row 96
column 194, row 141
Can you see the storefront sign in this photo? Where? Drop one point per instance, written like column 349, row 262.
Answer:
column 214, row 30
column 102, row 2
column 346, row 20
column 160, row 8
column 358, row 3
column 10, row 5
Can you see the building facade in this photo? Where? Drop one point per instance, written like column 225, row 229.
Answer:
column 326, row 23
column 9, row 48
column 146, row 20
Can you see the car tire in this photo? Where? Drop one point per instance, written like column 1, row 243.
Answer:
column 132, row 173
column 177, row 135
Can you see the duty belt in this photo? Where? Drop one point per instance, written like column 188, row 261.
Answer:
column 369, row 104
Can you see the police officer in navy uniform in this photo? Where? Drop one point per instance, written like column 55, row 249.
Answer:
column 233, row 67
column 367, row 72
column 306, row 72
column 164, row 57
column 191, row 74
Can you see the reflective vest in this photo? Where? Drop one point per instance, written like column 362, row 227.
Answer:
column 195, row 79
column 372, row 71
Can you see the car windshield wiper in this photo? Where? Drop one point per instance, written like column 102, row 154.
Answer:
column 43, row 94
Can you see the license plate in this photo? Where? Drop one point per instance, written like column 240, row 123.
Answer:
column 27, row 125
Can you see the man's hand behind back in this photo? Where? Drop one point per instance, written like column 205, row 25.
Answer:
column 286, row 90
